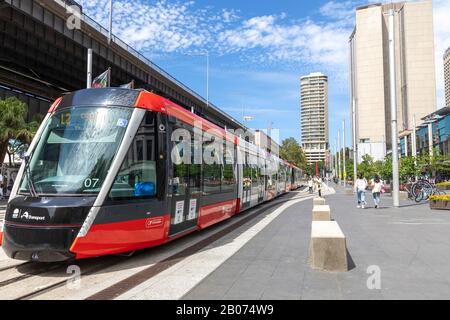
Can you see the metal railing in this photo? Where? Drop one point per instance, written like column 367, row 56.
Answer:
column 92, row 23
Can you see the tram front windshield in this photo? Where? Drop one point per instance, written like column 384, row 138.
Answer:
column 75, row 151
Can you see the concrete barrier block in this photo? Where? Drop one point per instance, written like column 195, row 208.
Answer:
column 328, row 251
column 321, row 213
column 318, row 201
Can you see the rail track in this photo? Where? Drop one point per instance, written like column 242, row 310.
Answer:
column 30, row 280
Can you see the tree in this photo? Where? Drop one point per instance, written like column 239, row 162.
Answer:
column 349, row 170
column 291, row 151
column 366, row 167
column 14, row 127
column 407, row 169
column 432, row 165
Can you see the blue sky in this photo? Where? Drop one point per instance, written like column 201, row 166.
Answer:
column 258, row 50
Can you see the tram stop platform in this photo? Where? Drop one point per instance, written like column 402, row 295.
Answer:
column 394, row 253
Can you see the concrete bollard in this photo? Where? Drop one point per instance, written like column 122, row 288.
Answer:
column 328, row 250
column 318, row 201
column 321, row 213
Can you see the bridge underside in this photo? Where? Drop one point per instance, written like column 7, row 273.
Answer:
column 40, row 59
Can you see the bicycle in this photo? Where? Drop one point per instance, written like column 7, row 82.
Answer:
column 421, row 189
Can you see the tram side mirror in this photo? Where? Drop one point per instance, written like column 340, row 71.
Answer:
column 144, row 189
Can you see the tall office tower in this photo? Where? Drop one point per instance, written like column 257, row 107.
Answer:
column 447, row 77
column 369, row 72
column 314, row 116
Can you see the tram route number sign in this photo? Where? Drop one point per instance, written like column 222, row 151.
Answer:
column 179, row 212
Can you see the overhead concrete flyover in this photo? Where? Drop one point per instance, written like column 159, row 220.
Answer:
column 41, row 59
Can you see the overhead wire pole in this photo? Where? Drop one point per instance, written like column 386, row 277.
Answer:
column 89, row 69
column 110, row 21
column 353, row 119
column 207, row 78
column 394, row 132
column 336, row 172
column 339, row 153
column 414, row 142
column 343, row 155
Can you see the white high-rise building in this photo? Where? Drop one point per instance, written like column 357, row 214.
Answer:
column 370, row 72
column 314, row 116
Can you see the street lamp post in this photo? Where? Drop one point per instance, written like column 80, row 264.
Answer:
column 394, row 132
column 335, row 161
column 89, row 69
column 343, row 153
column 110, row 21
column 339, row 153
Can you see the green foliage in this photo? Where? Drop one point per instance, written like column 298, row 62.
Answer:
column 349, row 169
column 291, row 151
column 430, row 165
column 408, row 166
column 366, row 167
column 13, row 126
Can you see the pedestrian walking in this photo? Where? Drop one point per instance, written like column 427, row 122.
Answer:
column 376, row 191
column 360, row 189
column 319, row 186
column 310, row 185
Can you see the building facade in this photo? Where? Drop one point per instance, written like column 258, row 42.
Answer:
column 370, row 72
column 432, row 133
column 314, row 116
column 447, row 76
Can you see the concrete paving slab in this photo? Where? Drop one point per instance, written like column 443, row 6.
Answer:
column 408, row 245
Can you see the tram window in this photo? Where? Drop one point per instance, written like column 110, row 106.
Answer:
column 247, row 176
column 194, row 172
column 212, row 172
column 180, row 179
column 228, row 180
column 194, row 178
column 137, row 176
column 211, row 178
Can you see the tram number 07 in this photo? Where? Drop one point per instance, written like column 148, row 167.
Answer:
column 91, row 183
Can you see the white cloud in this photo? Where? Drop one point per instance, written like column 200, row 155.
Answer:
column 160, row 27
column 307, row 41
column 163, row 27
column 339, row 9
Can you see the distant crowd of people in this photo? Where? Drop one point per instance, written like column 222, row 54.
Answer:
column 315, row 185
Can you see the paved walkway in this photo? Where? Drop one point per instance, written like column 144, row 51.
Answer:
column 410, row 246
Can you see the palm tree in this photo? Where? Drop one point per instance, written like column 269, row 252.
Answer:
column 13, row 124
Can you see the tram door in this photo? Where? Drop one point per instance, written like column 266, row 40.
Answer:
column 185, row 187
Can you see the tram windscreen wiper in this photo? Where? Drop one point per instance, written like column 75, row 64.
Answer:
column 28, row 175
